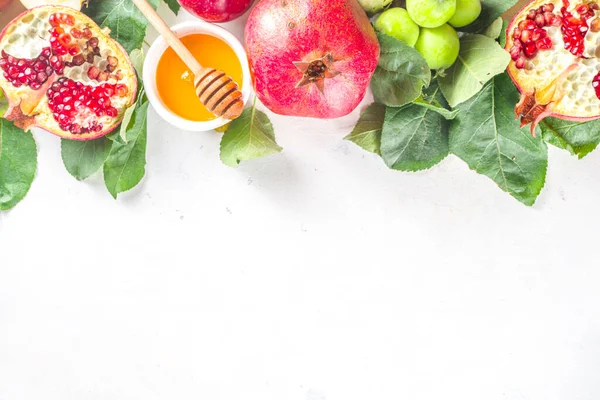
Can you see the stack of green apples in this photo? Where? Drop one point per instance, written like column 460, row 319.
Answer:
column 428, row 26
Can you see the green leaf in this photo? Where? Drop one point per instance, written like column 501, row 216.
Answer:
column 486, row 135
column 18, row 163
column 3, row 103
column 367, row 132
column 401, row 74
column 248, row 137
column 413, row 138
column 490, row 11
column 479, row 60
column 433, row 100
column 579, row 138
column 495, row 29
column 126, row 164
column 82, row 159
column 502, row 38
column 121, row 135
column 173, row 5
column 137, row 60
column 126, row 22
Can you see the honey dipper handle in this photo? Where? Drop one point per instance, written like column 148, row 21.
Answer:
column 172, row 40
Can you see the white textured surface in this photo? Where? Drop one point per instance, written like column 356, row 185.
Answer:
column 316, row 274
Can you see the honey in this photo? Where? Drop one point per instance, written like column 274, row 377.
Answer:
column 175, row 81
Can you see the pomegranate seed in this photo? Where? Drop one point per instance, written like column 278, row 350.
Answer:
column 596, row 84
column 93, row 42
column 42, row 77
column 548, row 7
column 70, row 20
column 103, row 76
column 516, row 33
column 87, row 33
column 53, row 20
column 544, row 43
column 538, row 34
column 112, row 61
column 121, row 90
column 112, row 112
column 64, row 39
column 74, row 50
column 56, row 31
column 530, row 50
column 526, row 37
column 109, row 91
column 531, row 14
column 78, row 60
column 35, row 85
column 582, row 9
column 76, row 33
column 93, row 72
column 540, row 20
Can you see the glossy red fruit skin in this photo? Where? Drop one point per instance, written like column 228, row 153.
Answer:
column 281, row 33
column 216, row 10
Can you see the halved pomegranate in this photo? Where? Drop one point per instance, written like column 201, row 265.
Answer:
column 61, row 72
column 76, row 4
column 555, row 51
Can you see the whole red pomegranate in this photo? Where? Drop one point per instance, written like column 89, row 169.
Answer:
column 311, row 58
column 216, row 10
column 555, row 50
column 62, row 73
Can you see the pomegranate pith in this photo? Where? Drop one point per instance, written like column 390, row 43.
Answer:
column 554, row 53
column 52, row 88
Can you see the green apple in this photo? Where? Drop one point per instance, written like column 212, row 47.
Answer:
column 374, row 6
column 431, row 13
column 467, row 11
column 438, row 46
column 396, row 23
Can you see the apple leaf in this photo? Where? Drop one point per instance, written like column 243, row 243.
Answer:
column 126, row 163
column 433, row 99
column 490, row 140
column 578, row 138
column 173, row 5
column 82, row 159
column 249, row 136
column 18, row 163
column 367, row 132
column 414, row 138
column 495, row 29
column 479, row 60
column 401, row 73
column 127, row 24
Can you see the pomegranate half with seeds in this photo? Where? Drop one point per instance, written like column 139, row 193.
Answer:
column 555, row 51
column 61, row 72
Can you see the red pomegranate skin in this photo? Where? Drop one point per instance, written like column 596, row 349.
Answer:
column 284, row 37
column 216, row 10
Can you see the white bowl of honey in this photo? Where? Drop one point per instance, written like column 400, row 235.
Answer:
column 169, row 83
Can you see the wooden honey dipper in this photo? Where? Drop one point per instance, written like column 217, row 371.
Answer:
column 216, row 90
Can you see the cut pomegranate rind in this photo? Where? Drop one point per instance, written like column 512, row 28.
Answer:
column 560, row 80
column 75, row 4
column 29, row 34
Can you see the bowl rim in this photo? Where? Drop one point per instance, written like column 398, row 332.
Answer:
column 156, row 51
